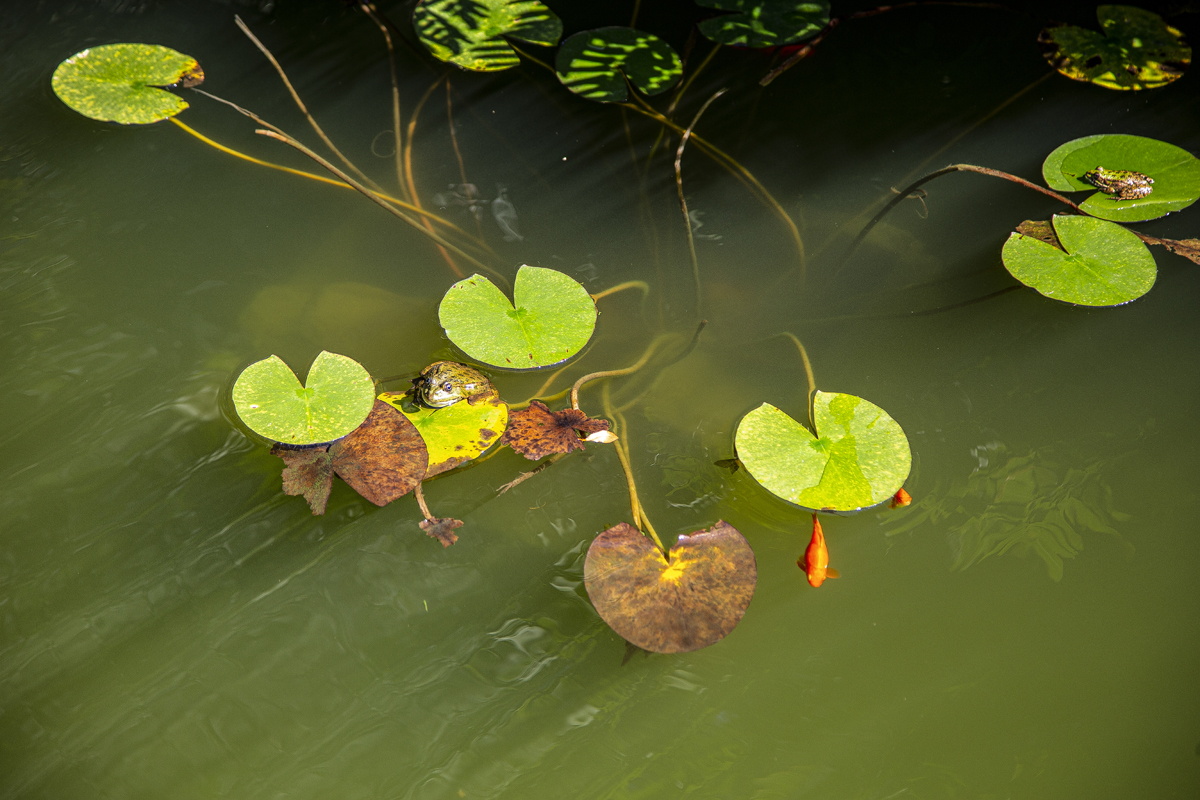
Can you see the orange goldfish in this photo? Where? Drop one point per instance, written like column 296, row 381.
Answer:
column 901, row 499
column 815, row 561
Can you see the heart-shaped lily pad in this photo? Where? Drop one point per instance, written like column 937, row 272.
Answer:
column 1104, row 264
column 456, row 433
column 120, row 82
column 595, row 64
column 1136, row 51
column 1175, row 172
column 860, row 458
column 337, row 397
column 763, row 23
column 675, row 606
column 471, row 33
column 552, row 319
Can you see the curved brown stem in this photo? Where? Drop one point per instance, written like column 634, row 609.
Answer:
column 808, row 373
column 687, row 220
column 614, row 373
column 906, row 191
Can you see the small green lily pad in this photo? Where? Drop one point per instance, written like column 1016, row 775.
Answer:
column 763, row 23
column 457, row 433
column 553, row 319
column 1103, row 264
column 472, row 33
column 122, row 82
column 1175, row 171
column 595, row 64
column 1136, row 51
column 336, row 399
column 860, row 459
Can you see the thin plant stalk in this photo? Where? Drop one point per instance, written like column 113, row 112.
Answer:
column 639, row 512
column 615, row 373
column 684, row 353
column 808, row 374
column 420, row 495
column 408, row 171
column 462, row 167
column 300, row 103
column 620, row 287
column 382, row 203
column 904, row 193
column 246, row 112
column 370, row 11
column 730, row 163
column 687, row 220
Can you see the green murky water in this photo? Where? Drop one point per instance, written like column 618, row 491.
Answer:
column 173, row 626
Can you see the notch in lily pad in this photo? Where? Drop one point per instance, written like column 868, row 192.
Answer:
column 595, row 64
column 687, row 600
column 1099, row 263
column 472, row 34
column 126, row 83
column 860, row 457
column 1137, row 50
column 1175, row 172
column 337, row 397
column 551, row 318
column 763, row 23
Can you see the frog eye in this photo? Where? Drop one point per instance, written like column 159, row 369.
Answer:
column 447, row 386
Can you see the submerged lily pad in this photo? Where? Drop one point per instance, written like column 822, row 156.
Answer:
column 336, row 399
column 691, row 601
column 122, row 82
column 763, row 23
column 471, row 33
column 1136, row 51
column 595, row 64
column 457, row 433
column 860, row 459
column 1175, row 171
column 1103, row 264
column 553, row 319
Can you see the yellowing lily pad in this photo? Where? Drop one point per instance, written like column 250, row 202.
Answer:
column 860, row 459
column 457, row 433
column 1136, row 51
column 124, row 82
column 691, row 601
column 336, row 399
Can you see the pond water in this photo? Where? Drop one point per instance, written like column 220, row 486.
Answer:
column 174, row 626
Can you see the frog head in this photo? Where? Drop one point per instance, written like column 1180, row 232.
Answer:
column 444, row 383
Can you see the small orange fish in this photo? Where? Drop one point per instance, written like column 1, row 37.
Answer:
column 815, row 561
column 901, row 499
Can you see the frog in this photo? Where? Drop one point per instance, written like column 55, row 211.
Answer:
column 1120, row 183
column 444, row 383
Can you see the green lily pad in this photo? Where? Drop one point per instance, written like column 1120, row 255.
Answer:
column 860, row 459
column 763, row 23
column 471, row 33
column 553, row 319
column 122, row 82
column 1104, row 264
column 1175, row 171
column 595, row 64
column 457, row 433
column 1136, row 51
column 335, row 400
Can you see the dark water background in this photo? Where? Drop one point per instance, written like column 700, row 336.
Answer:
column 171, row 625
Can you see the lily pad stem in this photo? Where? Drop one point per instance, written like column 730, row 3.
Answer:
column 369, row 10
column 808, row 373
column 904, row 193
column 620, row 287
column 421, row 502
column 639, row 514
column 687, row 220
column 300, row 103
column 613, row 373
column 378, row 200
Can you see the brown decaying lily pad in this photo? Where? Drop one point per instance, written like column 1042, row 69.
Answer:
column 691, row 602
column 383, row 459
column 536, row 432
column 442, row 529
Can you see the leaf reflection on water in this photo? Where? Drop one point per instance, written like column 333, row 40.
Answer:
column 1018, row 503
